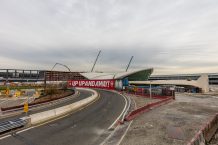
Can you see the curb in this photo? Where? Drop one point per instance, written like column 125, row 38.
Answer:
column 45, row 116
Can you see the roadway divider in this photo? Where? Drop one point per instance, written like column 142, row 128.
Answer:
column 204, row 135
column 58, row 112
column 146, row 108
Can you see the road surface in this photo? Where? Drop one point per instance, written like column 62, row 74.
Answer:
column 88, row 126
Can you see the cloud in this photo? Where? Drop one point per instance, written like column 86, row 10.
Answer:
column 170, row 35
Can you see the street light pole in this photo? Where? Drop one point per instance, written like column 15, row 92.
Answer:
column 150, row 91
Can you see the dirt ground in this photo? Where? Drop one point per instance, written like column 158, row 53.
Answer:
column 187, row 113
column 141, row 101
column 59, row 95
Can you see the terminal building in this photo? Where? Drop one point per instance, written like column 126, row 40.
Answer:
column 121, row 78
column 198, row 85
column 142, row 77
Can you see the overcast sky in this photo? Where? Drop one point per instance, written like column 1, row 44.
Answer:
column 172, row 36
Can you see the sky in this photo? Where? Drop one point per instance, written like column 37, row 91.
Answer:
column 171, row 36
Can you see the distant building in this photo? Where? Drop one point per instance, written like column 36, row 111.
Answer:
column 191, row 82
column 213, row 77
column 199, row 84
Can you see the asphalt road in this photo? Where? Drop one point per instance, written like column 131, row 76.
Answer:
column 83, row 94
column 85, row 127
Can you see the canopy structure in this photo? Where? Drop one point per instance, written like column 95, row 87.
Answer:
column 136, row 75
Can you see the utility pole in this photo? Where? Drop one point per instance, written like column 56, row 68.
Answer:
column 150, row 91
column 129, row 63
column 95, row 61
column 44, row 81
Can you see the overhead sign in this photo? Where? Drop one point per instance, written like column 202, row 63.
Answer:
column 102, row 84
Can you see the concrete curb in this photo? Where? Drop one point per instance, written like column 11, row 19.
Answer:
column 45, row 116
column 146, row 108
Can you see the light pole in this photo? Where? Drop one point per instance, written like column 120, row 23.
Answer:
column 150, row 91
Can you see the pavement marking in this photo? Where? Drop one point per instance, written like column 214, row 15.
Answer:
column 120, row 114
column 5, row 137
column 129, row 105
column 124, row 133
column 104, row 142
column 127, row 128
column 34, row 127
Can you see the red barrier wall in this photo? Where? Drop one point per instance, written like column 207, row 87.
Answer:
column 101, row 84
column 206, row 132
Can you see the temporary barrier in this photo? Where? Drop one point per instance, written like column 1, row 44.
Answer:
column 147, row 107
column 102, row 84
column 205, row 134
column 58, row 112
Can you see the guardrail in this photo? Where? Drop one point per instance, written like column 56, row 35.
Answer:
column 12, row 124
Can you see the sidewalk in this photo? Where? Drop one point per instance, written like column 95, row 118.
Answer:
column 171, row 124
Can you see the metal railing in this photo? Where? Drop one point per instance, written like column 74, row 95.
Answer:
column 12, row 124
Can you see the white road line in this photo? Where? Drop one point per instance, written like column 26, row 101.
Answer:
column 129, row 103
column 124, row 133
column 120, row 114
column 5, row 137
column 127, row 128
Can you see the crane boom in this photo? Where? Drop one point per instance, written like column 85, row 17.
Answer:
column 129, row 63
column 95, row 61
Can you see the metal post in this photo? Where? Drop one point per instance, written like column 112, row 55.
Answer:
column 44, row 81
column 150, row 91
column 27, row 103
column 7, row 82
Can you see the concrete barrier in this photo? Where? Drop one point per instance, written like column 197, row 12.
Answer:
column 146, row 108
column 205, row 134
column 58, row 112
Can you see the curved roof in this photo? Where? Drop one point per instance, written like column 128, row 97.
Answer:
column 133, row 75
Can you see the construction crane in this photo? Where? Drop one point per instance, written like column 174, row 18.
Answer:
column 95, row 61
column 129, row 63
